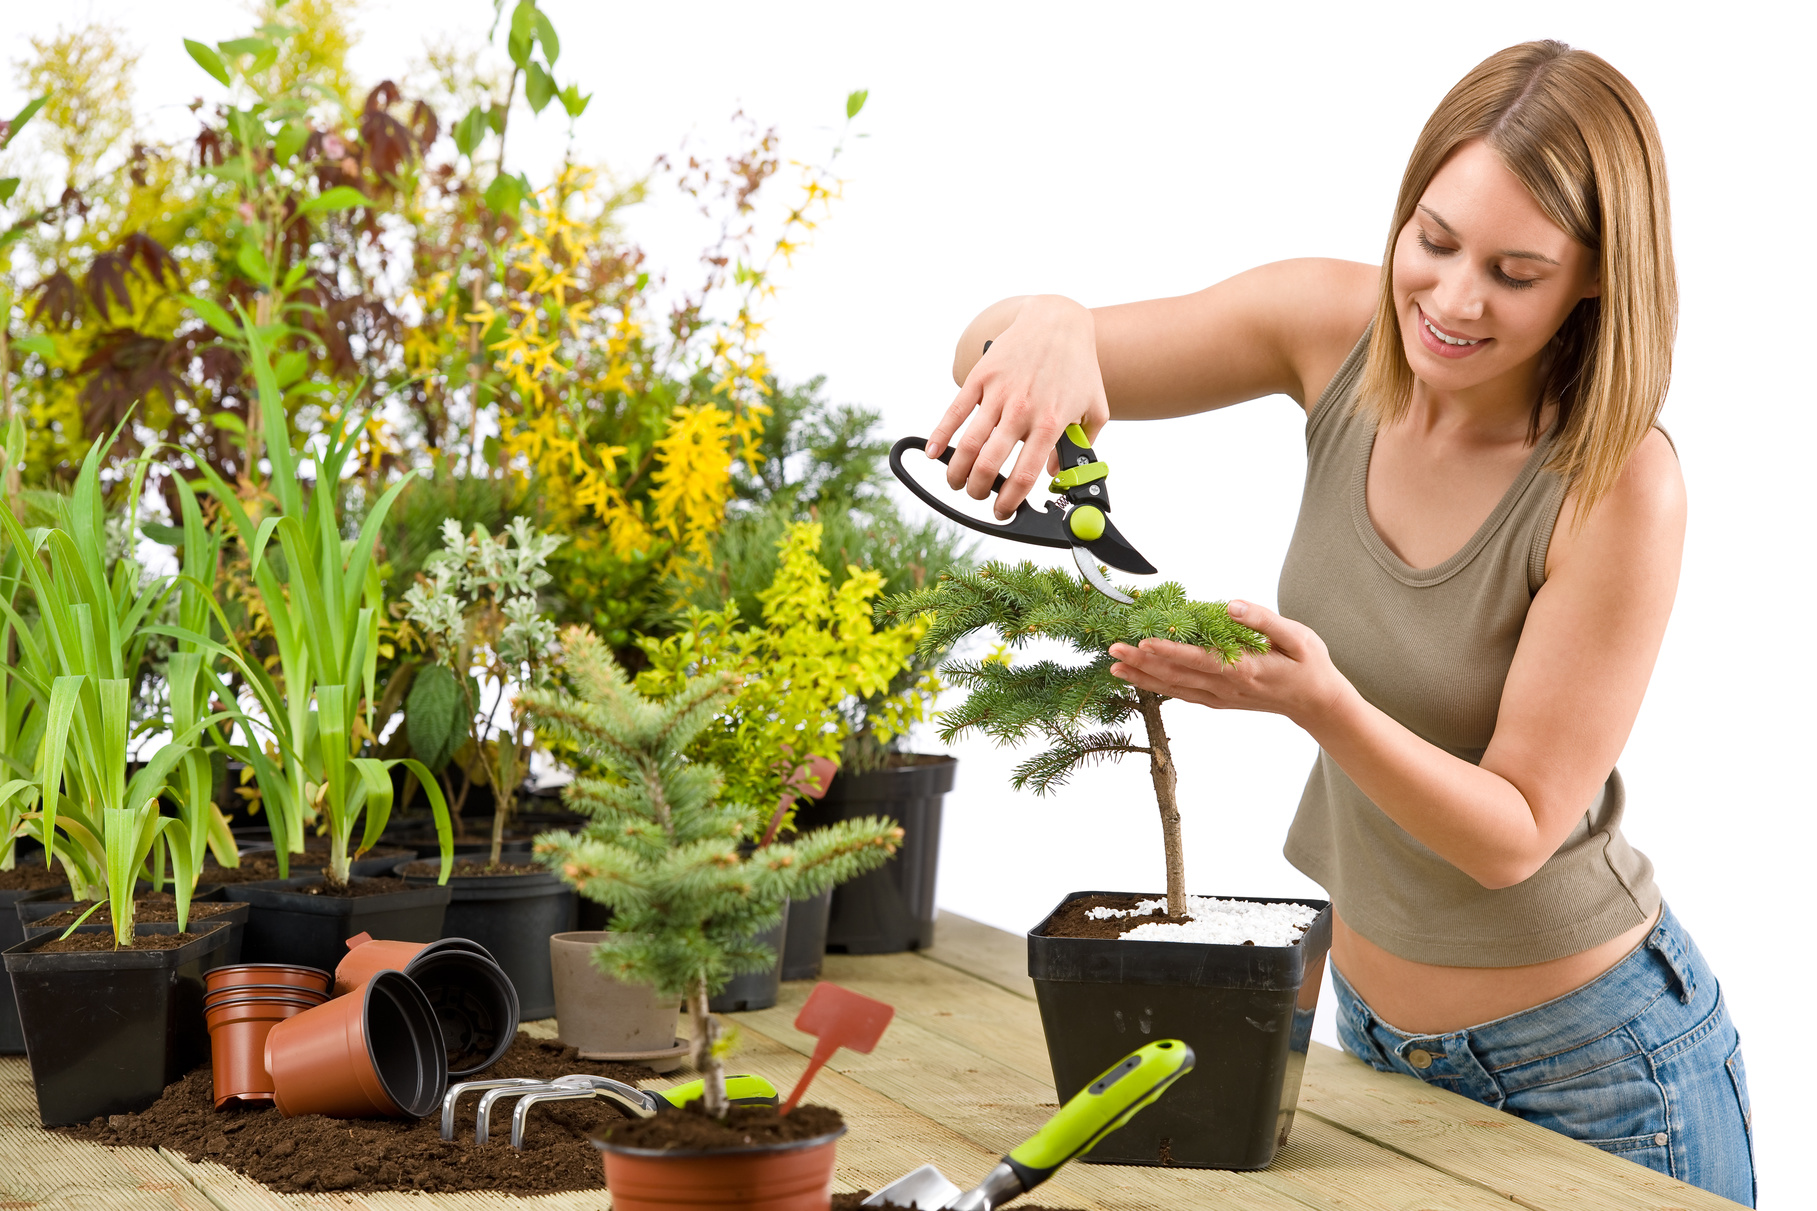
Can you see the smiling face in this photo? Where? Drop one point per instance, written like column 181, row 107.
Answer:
column 1482, row 278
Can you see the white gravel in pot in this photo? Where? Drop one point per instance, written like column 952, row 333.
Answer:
column 1223, row 922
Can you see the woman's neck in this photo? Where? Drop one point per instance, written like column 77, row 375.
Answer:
column 1495, row 412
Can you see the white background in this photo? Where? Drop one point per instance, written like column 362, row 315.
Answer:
column 1115, row 152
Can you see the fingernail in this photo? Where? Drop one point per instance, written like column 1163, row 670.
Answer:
column 1238, row 609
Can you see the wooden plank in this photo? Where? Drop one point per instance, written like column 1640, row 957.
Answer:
column 40, row 1168
column 1519, row 1161
column 981, row 950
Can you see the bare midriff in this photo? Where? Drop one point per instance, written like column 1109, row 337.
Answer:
column 1423, row 998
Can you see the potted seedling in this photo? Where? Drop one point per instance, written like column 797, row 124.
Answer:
column 109, row 1014
column 663, row 850
column 813, row 652
column 476, row 611
column 1244, row 1002
column 324, row 601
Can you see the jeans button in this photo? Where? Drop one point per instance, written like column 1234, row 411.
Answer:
column 1419, row 1057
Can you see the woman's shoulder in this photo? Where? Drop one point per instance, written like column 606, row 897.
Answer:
column 1321, row 306
column 1645, row 510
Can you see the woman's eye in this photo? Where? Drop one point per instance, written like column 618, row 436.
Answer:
column 1434, row 249
column 1512, row 282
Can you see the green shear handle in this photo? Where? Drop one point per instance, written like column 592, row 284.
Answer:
column 1100, row 1108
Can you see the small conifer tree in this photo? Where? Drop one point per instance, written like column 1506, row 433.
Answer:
column 666, row 852
column 1076, row 709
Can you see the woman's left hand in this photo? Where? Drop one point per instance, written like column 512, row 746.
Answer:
column 1295, row 677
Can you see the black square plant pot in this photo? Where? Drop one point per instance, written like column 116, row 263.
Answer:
column 288, row 925
column 1246, row 1011
column 33, row 911
column 512, row 916
column 12, row 932
column 107, row 1030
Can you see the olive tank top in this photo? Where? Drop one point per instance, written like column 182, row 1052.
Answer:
column 1431, row 647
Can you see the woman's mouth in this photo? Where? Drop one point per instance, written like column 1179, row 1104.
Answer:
column 1446, row 344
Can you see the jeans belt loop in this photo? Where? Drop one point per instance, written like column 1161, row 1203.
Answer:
column 1667, row 945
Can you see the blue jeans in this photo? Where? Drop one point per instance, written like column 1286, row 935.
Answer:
column 1642, row 1062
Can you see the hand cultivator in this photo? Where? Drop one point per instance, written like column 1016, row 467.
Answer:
column 580, row 1086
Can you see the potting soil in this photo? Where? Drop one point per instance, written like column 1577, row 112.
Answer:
column 1221, row 922
column 357, row 887
column 33, row 877
column 431, row 867
column 152, row 906
column 258, row 868
column 314, row 1153
column 79, row 942
column 692, row 1128
column 855, row 1200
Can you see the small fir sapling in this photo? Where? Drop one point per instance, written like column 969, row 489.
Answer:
column 666, row 852
column 1076, row 709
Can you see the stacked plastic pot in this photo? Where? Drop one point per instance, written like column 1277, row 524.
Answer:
column 378, row 1038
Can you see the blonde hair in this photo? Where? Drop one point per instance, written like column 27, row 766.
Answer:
column 1576, row 133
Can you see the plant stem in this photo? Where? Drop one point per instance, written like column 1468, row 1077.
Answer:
column 1161, row 769
column 703, row 1053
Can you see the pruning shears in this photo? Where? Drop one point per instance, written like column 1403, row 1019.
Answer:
column 1079, row 520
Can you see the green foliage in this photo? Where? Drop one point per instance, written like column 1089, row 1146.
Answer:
column 663, row 848
column 436, row 716
column 1074, row 709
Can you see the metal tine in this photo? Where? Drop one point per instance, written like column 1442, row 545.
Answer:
column 632, row 1101
column 455, row 1092
column 483, row 1116
column 521, row 1114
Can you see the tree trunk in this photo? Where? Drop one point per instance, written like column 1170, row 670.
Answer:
column 1161, row 769
column 704, row 1054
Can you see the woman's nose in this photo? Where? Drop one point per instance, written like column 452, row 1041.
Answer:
column 1459, row 294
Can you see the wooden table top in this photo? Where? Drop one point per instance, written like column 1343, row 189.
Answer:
column 960, row 1078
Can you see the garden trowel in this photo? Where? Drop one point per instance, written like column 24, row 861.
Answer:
column 1093, row 1113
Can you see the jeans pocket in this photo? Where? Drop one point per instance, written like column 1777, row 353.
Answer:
column 1654, row 1151
column 1738, row 1076
column 1354, row 1035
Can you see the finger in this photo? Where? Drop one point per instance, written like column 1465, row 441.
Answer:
column 1097, row 415
column 982, row 424
column 997, row 448
column 956, row 412
column 1037, row 449
column 1284, row 635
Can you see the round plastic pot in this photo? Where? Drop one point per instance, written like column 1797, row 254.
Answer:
column 255, row 992
column 603, row 1017
column 796, row 1176
column 107, row 1030
column 512, row 916
column 804, row 942
column 1246, row 1011
column 237, row 1028
column 266, row 974
column 12, row 932
column 891, row 908
column 234, row 917
column 755, row 989
column 473, row 998
column 376, row 1053
column 287, row 925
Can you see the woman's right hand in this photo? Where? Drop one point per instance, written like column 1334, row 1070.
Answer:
column 1040, row 375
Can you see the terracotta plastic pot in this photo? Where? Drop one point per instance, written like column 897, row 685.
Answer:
column 263, row 992
column 377, row 1052
column 245, row 974
column 473, row 998
column 781, row 1177
column 237, row 1027
column 608, row 1018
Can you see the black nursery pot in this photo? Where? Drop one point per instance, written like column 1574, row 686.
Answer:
column 755, row 989
column 31, row 912
column 804, row 942
column 288, row 925
column 12, row 932
column 107, row 1030
column 891, row 908
column 1246, row 1011
column 512, row 916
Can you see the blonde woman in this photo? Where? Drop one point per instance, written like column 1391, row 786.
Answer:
column 1486, row 555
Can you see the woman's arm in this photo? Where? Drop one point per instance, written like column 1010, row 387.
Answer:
column 1586, row 652
column 1283, row 328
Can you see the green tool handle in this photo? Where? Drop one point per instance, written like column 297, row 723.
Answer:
column 740, row 1091
column 1100, row 1108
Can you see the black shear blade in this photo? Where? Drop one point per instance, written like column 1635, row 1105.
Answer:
column 1112, row 548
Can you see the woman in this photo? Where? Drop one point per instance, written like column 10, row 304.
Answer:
column 1472, row 603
